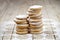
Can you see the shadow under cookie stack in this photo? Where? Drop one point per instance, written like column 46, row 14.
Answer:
column 30, row 23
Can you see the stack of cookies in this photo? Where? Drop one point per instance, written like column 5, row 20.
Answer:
column 21, row 24
column 31, row 23
column 35, row 19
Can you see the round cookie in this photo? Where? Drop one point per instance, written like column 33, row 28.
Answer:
column 32, row 17
column 35, row 9
column 20, row 21
column 35, row 23
column 36, row 30
column 37, row 15
column 35, row 20
column 21, row 17
column 21, row 30
column 25, row 32
column 22, row 26
column 38, row 26
column 34, row 14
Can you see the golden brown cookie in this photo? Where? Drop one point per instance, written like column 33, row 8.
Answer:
column 38, row 26
column 35, row 9
column 35, row 23
column 34, row 17
column 37, row 30
column 22, row 26
column 21, row 30
column 25, row 32
column 35, row 20
column 21, row 17
column 20, row 21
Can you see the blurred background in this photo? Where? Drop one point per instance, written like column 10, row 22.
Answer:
column 10, row 8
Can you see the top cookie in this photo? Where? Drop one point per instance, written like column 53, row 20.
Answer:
column 21, row 17
column 36, row 7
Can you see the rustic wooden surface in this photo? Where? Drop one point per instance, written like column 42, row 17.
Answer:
column 51, row 19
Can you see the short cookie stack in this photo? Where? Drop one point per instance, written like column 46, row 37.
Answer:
column 35, row 19
column 21, row 24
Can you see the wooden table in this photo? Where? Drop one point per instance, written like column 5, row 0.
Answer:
column 51, row 19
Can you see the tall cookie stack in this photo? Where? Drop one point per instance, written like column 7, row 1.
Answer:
column 21, row 24
column 35, row 19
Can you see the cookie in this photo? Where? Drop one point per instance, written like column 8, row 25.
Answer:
column 34, row 14
column 25, row 32
column 37, row 30
column 35, row 9
column 21, row 17
column 38, row 26
column 32, row 17
column 35, row 23
column 22, row 26
column 35, row 20
column 20, row 21
column 21, row 30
